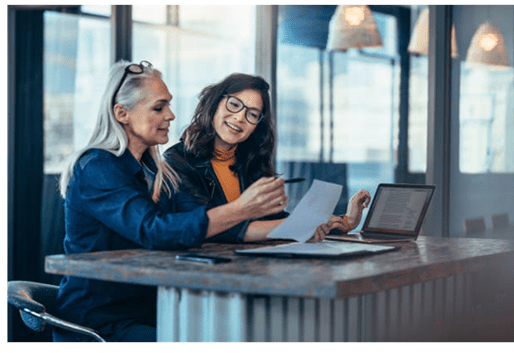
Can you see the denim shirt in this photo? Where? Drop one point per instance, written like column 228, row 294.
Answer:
column 108, row 206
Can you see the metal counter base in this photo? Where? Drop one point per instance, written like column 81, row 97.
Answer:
column 400, row 314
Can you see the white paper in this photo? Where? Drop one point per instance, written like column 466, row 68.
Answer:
column 324, row 248
column 314, row 209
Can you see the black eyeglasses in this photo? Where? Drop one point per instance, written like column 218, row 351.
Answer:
column 235, row 105
column 135, row 69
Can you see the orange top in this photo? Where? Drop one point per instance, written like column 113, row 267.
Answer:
column 228, row 179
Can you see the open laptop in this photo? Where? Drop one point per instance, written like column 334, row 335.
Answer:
column 396, row 214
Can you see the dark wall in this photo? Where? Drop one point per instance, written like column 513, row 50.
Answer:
column 25, row 150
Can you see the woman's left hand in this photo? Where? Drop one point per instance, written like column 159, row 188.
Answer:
column 335, row 222
column 320, row 233
column 357, row 204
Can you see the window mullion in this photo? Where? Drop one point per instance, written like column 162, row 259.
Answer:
column 121, row 32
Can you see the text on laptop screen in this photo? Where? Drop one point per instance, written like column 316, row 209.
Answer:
column 398, row 208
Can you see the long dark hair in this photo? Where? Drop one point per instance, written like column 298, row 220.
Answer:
column 256, row 154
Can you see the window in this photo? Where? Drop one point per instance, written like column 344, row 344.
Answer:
column 194, row 46
column 486, row 120
column 366, row 109
column 156, row 14
column 481, row 182
column 102, row 10
column 298, row 103
column 339, row 108
column 76, row 58
column 418, row 114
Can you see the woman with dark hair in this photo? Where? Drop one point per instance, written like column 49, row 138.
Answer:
column 254, row 153
column 228, row 146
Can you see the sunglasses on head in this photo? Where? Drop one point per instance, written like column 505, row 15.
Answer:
column 134, row 69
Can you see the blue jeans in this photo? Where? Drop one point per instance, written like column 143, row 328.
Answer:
column 121, row 331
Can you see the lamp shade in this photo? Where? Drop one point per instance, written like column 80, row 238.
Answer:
column 419, row 40
column 488, row 47
column 352, row 26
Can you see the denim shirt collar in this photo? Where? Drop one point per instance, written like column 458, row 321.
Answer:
column 133, row 165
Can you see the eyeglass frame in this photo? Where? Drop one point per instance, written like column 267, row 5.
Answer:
column 128, row 69
column 261, row 115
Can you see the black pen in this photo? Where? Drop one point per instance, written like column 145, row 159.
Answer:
column 294, row 180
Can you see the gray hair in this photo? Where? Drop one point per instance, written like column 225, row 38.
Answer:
column 110, row 135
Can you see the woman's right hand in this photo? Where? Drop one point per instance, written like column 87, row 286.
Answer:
column 264, row 197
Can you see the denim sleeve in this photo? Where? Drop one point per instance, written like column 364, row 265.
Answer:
column 185, row 202
column 107, row 194
column 236, row 234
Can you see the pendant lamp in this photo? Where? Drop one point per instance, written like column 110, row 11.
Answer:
column 352, row 26
column 419, row 40
column 488, row 47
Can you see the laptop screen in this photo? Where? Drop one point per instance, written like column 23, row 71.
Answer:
column 398, row 209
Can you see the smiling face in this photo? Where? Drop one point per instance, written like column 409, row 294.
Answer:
column 233, row 128
column 148, row 122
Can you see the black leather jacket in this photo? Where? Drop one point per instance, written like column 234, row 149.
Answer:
column 199, row 180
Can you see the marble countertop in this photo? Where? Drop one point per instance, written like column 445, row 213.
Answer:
column 425, row 259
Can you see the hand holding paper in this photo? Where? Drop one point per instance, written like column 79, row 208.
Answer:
column 314, row 208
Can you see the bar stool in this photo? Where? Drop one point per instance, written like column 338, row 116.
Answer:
column 500, row 221
column 474, row 225
column 34, row 300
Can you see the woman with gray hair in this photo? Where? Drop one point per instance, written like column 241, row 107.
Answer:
column 119, row 194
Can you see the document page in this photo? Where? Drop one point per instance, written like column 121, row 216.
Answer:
column 314, row 209
column 324, row 248
column 398, row 209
